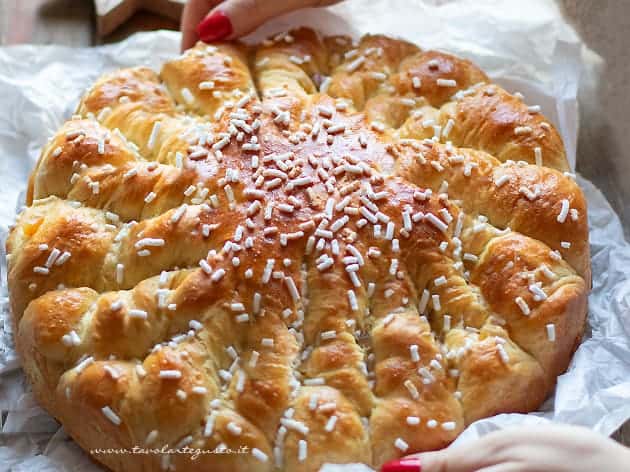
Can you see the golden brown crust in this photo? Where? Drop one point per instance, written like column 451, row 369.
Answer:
column 364, row 71
column 186, row 73
column 525, row 198
column 431, row 68
column 492, row 120
column 317, row 250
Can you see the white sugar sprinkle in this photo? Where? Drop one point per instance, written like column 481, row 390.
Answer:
column 256, row 303
column 413, row 351
column 503, row 353
column 539, row 293
column 315, row 381
column 564, row 211
column 293, row 291
column 424, row 300
column 151, row 437
column 522, row 130
column 413, row 420
column 218, row 275
column 240, row 381
column 435, row 221
column 137, row 313
column 177, row 215
column 440, row 281
column 295, row 425
column 411, row 388
column 83, row 364
column 111, row 416
column 551, row 332
column 437, row 306
column 209, row 427
column 354, row 65
column 170, row 374
column 116, row 305
column 233, row 428
column 446, row 83
column 199, row 390
column 401, row 444
column 522, row 304
column 330, row 424
column 260, row 455
column 231, row 352
column 332, row 334
column 447, row 323
column 352, row 298
column 302, row 450
column 253, row 360
column 154, row 135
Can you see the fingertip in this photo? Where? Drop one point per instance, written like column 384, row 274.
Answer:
column 195, row 11
column 215, row 27
column 406, row 464
column 245, row 16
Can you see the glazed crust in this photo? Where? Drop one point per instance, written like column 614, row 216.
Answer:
column 317, row 250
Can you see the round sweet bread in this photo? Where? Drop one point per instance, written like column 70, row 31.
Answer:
column 307, row 251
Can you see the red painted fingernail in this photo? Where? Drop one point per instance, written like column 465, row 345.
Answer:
column 214, row 27
column 412, row 464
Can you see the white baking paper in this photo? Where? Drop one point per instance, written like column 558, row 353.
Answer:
column 525, row 46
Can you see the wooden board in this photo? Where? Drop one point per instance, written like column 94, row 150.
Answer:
column 44, row 22
column 110, row 14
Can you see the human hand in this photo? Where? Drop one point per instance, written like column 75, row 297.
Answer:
column 215, row 20
column 526, row 449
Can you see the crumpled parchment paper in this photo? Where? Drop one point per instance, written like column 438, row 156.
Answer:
column 525, row 46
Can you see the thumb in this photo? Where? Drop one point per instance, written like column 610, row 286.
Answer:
column 236, row 18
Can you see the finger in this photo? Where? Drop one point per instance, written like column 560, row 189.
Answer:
column 405, row 464
column 468, row 457
column 236, row 18
column 441, row 462
column 194, row 12
column 437, row 461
